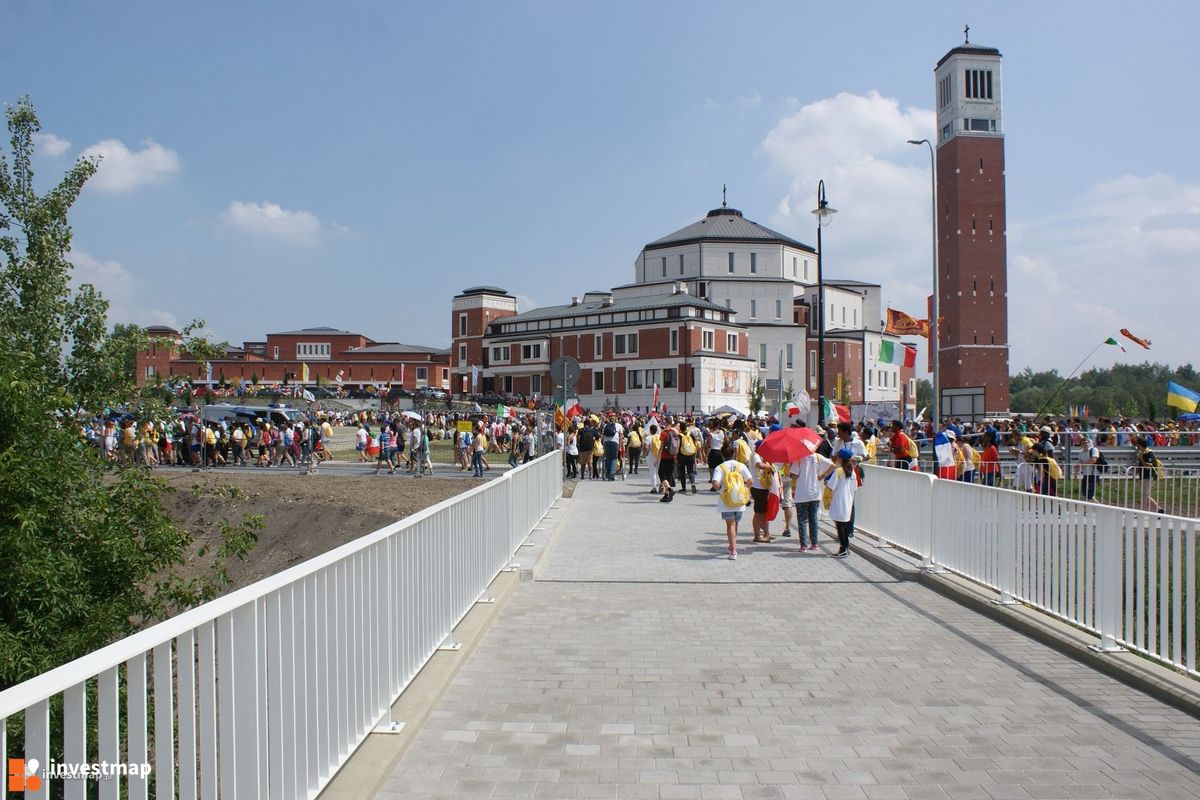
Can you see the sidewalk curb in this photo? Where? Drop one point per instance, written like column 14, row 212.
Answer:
column 1158, row 681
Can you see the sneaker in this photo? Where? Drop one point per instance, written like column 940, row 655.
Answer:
column 813, row 546
column 841, row 554
column 787, row 534
column 666, row 498
column 732, row 555
column 693, row 488
column 670, row 495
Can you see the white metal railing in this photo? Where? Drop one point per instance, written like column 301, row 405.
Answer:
column 1130, row 576
column 1173, row 490
column 265, row 692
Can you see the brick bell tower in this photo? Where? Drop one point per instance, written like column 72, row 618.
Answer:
column 972, row 256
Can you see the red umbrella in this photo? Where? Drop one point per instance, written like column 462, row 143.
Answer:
column 789, row 444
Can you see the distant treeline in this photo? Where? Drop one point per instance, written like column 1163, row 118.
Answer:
column 1134, row 390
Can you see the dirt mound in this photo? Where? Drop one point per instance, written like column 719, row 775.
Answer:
column 303, row 515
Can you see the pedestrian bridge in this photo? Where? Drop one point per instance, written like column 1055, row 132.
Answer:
column 637, row 662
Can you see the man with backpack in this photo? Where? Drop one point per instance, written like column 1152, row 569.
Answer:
column 1089, row 461
column 690, row 443
column 671, row 440
column 731, row 480
column 610, row 436
column 586, row 441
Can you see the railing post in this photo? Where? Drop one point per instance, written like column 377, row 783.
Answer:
column 1109, row 587
column 928, row 560
column 1006, row 542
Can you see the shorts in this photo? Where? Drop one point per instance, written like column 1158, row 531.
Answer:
column 760, row 499
column 360, row 446
column 666, row 471
column 785, row 499
column 734, row 515
column 385, row 454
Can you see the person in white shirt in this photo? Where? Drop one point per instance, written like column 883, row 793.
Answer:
column 806, row 492
column 716, row 442
column 842, row 481
column 731, row 498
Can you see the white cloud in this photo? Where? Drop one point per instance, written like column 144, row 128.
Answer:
column 50, row 145
column 878, row 182
column 123, row 170
column 269, row 219
column 1123, row 255
column 121, row 290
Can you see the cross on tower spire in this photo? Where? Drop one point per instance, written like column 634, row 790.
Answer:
column 966, row 34
column 722, row 195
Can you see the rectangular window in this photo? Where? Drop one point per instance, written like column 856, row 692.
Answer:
column 812, row 369
column 731, row 343
column 651, row 377
column 870, row 378
column 462, row 352
column 531, row 352
column 788, row 358
column 276, row 352
column 753, row 309
column 674, row 338
column 598, row 380
column 762, row 355
column 702, row 289
column 668, row 376
column 794, row 272
column 422, row 373
column 778, row 309
column 632, row 342
column 150, row 371
column 753, row 262
column 729, row 303
column 707, row 340
column 731, row 263
column 462, row 324
column 535, row 384
column 633, row 379
column 664, row 266
column 806, row 270
column 833, row 352
column 856, row 318
column 843, row 315
column 619, row 344
column 681, row 263
column 599, row 340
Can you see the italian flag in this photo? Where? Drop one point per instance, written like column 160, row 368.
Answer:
column 505, row 411
column 892, row 353
column 839, row 413
column 789, row 409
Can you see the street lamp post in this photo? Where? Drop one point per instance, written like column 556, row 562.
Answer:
column 934, row 325
column 824, row 215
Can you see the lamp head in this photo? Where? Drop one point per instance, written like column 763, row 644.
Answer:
column 823, row 212
column 918, row 141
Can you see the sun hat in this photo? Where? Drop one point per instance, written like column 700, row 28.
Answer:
column 845, row 454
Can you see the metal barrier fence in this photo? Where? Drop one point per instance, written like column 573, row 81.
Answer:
column 1174, row 490
column 265, row 693
column 1130, row 576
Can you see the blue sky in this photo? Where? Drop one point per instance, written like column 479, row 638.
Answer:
column 279, row 165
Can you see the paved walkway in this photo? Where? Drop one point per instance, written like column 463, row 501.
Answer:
column 640, row 664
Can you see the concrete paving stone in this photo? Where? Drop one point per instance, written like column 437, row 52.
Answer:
column 639, row 665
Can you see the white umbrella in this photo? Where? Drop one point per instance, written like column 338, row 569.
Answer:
column 412, row 415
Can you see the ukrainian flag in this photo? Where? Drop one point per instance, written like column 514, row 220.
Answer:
column 1182, row 397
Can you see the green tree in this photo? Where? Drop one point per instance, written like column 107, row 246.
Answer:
column 925, row 396
column 754, row 397
column 90, row 554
